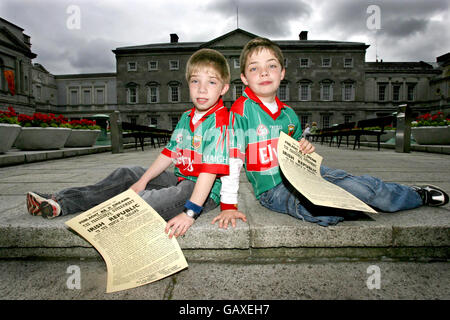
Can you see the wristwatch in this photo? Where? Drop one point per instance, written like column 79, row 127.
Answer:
column 190, row 213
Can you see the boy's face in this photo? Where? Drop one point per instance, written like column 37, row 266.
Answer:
column 263, row 74
column 205, row 88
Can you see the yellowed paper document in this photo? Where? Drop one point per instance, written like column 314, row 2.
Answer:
column 303, row 172
column 129, row 234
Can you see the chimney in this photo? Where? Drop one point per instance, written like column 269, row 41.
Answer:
column 303, row 35
column 173, row 38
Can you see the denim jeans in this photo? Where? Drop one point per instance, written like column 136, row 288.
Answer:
column 384, row 196
column 164, row 193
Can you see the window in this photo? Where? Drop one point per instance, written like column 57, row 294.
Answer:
column 174, row 122
column 152, row 65
column 326, row 62
column 132, row 95
column 174, row 93
column 381, row 92
column 73, row 97
column 396, row 92
column 99, row 96
column 87, row 96
column 304, row 120
column 236, row 63
column 154, row 121
column 411, row 92
column 305, row 91
column 325, row 121
column 326, row 90
column 153, row 94
column 237, row 91
column 283, row 92
column 304, row 62
column 132, row 119
column 348, row 91
column 132, row 66
column 348, row 118
column 348, row 62
column 38, row 92
column 174, row 64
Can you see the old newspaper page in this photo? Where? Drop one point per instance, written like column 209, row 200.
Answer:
column 303, row 172
column 129, row 234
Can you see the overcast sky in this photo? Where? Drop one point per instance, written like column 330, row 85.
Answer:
column 65, row 42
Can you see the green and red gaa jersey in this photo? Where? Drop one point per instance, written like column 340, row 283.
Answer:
column 254, row 138
column 202, row 147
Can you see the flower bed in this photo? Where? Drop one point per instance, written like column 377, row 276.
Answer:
column 9, row 129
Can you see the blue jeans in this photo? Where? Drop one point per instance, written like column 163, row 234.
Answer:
column 384, row 196
column 164, row 193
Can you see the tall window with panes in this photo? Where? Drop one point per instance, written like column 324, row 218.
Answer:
column 153, row 94
column 396, row 92
column 325, row 121
column 326, row 91
column 238, row 89
column 283, row 92
column 304, row 120
column 174, row 93
column 411, row 94
column 382, row 92
column 305, row 91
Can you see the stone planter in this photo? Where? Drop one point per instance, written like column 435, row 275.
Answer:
column 8, row 134
column 82, row 138
column 383, row 138
column 35, row 138
column 431, row 135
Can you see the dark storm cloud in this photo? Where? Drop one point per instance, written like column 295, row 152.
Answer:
column 59, row 48
column 400, row 18
column 263, row 17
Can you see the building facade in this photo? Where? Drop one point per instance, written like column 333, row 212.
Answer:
column 326, row 81
column 85, row 95
column 15, row 68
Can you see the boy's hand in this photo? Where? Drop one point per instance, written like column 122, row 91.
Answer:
column 306, row 146
column 179, row 225
column 227, row 216
column 138, row 186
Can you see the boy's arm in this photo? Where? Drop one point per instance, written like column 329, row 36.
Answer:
column 157, row 167
column 182, row 222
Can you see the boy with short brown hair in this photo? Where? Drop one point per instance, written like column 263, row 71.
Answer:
column 256, row 120
column 198, row 147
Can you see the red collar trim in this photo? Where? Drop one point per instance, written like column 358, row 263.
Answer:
column 212, row 110
column 253, row 97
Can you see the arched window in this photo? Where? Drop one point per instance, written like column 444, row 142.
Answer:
column 132, row 92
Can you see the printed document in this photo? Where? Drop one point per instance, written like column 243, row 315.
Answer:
column 303, row 172
column 129, row 234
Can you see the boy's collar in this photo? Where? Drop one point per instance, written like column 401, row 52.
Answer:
column 211, row 110
column 249, row 92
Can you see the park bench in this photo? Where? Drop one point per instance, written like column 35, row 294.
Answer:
column 120, row 130
column 139, row 133
column 363, row 128
column 336, row 131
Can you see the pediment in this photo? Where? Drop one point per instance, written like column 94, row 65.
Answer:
column 235, row 38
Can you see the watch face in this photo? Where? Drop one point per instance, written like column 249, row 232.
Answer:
column 190, row 213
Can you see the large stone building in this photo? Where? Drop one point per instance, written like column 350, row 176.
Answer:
column 326, row 81
column 15, row 68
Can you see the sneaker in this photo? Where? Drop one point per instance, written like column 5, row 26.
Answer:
column 34, row 200
column 431, row 195
column 50, row 209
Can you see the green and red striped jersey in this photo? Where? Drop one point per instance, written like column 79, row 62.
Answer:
column 203, row 147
